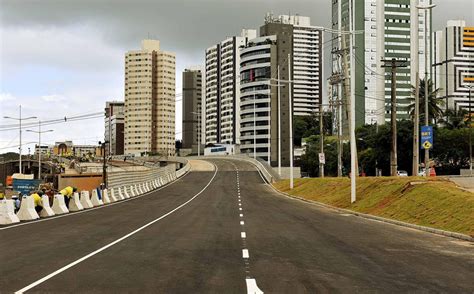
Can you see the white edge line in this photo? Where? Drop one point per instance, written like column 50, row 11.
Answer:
column 32, row 285
column 94, row 208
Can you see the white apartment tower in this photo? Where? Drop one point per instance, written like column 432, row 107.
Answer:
column 222, row 89
column 150, row 100
column 454, row 65
column 307, row 64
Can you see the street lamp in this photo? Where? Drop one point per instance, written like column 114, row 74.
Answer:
column 426, row 8
column 199, row 131
column 20, row 119
column 39, row 132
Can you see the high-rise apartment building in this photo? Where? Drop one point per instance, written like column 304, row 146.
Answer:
column 258, row 99
column 391, row 29
column 307, row 53
column 453, row 69
column 193, row 92
column 150, row 100
column 222, row 84
column 114, row 127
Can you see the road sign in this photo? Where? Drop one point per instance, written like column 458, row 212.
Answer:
column 426, row 137
column 322, row 158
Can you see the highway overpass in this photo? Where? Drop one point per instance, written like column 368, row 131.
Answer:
column 222, row 229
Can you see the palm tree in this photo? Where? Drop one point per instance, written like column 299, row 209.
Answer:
column 455, row 119
column 434, row 104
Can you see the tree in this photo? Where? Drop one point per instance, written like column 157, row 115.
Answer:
column 455, row 119
column 434, row 104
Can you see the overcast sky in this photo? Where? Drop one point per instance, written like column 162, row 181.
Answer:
column 60, row 57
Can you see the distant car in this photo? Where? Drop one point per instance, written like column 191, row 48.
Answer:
column 402, row 173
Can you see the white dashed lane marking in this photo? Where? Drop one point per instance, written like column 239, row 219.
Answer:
column 251, row 283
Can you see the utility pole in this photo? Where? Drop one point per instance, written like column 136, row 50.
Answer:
column 290, row 103
column 279, row 122
column 321, row 139
column 470, row 130
column 104, row 165
column 416, row 128
column 39, row 132
column 394, row 64
column 427, row 122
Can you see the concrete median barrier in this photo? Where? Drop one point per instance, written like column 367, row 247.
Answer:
column 106, row 197
column 136, row 192
column 59, row 206
column 95, row 198
column 75, row 203
column 27, row 209
column 114, row 195
column 125, row 193
column 7, row 212
column 86, row 200
column 47, row 211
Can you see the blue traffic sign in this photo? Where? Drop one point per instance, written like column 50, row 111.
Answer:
column 426, row 141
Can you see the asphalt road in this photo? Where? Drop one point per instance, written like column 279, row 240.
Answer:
column 198, row 236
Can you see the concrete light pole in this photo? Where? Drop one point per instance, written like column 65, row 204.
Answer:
column 39, row 132
column 199, row 131
column 20, row 119
column 427, row 122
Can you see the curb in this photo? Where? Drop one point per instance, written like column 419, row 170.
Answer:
column 379, row 218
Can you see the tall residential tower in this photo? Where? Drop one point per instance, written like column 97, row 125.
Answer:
column 222, row 89
column 150, row 100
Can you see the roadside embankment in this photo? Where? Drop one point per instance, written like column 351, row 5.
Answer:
column 434, row 202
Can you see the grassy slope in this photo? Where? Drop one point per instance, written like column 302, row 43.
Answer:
column 436, row 203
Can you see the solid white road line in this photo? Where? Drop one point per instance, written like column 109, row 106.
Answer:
column 243, row 235
column 252, row 287
column 245, row 253
column 32, row 285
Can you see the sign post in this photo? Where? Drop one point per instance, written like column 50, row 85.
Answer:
column 426, row 137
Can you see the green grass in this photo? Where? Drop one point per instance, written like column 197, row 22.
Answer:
column 436, row 203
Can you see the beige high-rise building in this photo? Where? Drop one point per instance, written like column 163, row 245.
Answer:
column 150, row 100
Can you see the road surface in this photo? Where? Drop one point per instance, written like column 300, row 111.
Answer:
column 198, row 236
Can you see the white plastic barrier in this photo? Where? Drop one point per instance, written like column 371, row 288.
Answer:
column 125, row 193
column 86, row 200
column 95, row 198
column 59, row 206
column 75, row 203
column 148, row 187
column 47, row 211
column 140, row 189
column 7, row 212
column 27, row 209
column 131, row 191
column 105, row 197
column 115, row 194
column 136, row 191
